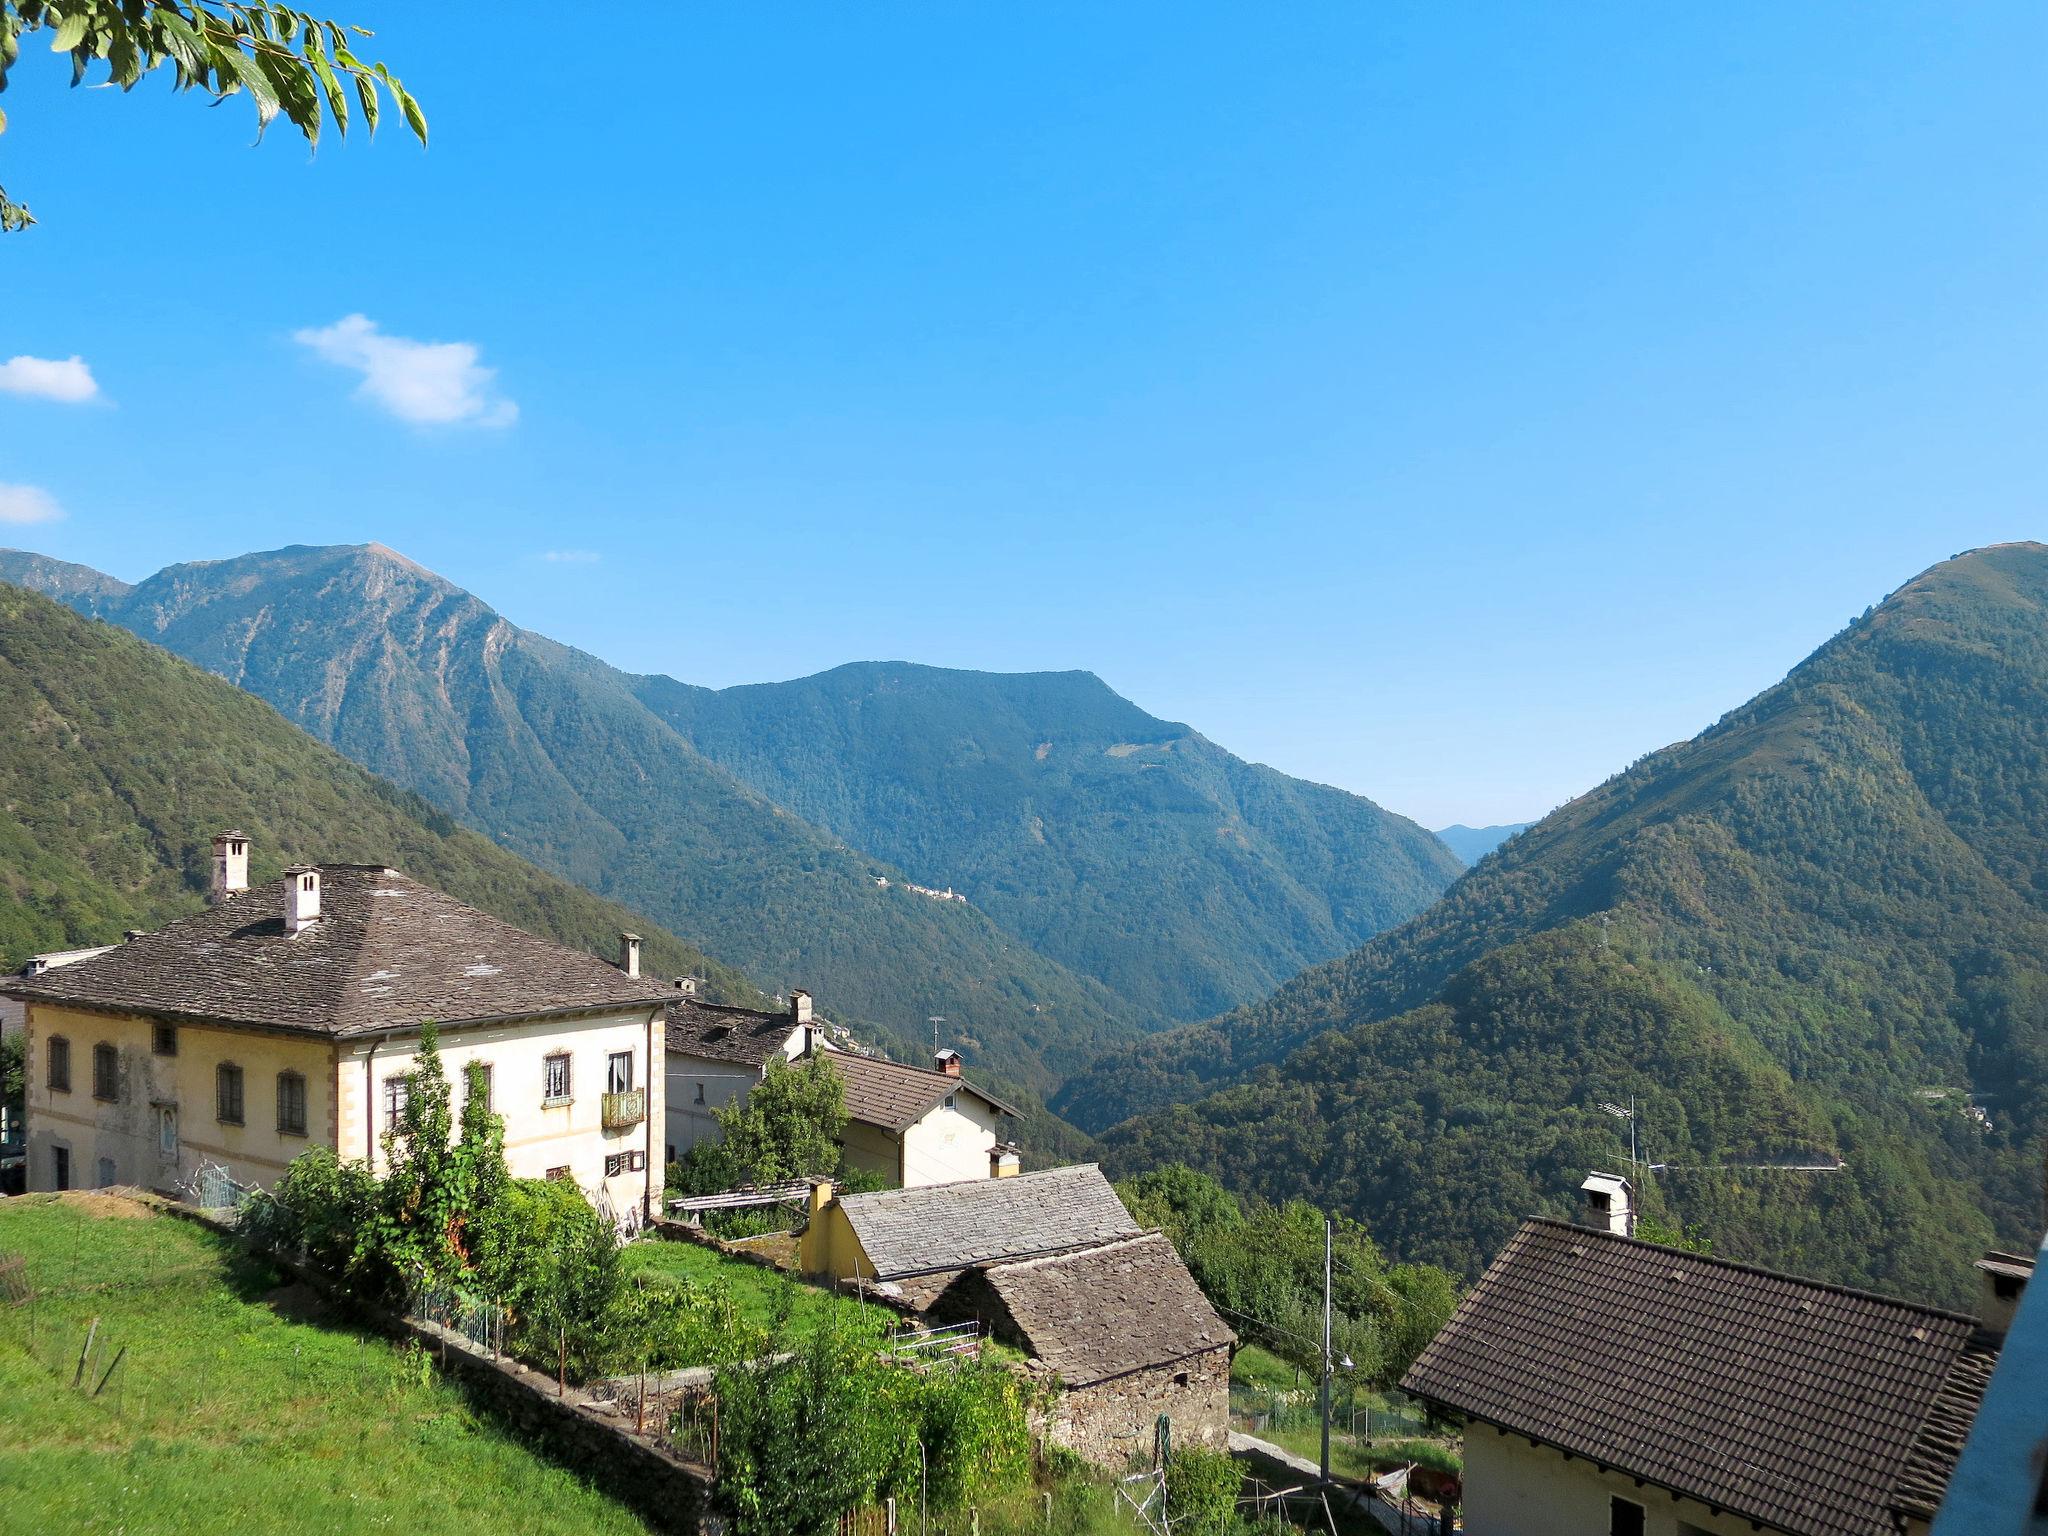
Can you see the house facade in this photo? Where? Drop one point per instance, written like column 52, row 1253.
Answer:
column 1621, row 1388
column 907, row 1125
column 289, row 1015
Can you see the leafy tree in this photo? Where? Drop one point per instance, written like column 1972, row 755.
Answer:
column 13, row 1055
column 290, row 63
column 1201, row 1490
column 1673, row 1234
column 788, row 1125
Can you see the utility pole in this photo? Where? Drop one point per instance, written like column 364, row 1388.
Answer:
column 1327, row 1366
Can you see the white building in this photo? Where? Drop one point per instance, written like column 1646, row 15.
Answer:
column 910, row 1125
column 289, row 1015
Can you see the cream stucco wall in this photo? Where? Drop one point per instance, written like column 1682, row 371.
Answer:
column 1515, row 1489
column 538, row 1136
column 948, row 1145
column 692, row 1118
column 126, row 1131
column 345, row 1106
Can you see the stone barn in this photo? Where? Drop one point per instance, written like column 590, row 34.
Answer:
column 1128, row 1335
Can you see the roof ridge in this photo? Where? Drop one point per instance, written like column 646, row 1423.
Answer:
column 1064, row 1254
column 1755, row 1269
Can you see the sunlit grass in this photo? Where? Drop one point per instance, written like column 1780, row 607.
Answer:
column 238, row 1406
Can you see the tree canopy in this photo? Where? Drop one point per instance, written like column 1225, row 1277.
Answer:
column 289, row 63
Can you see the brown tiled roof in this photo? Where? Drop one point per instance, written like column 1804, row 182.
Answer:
column 386, row 952
column 1108, row 1310
column 893, row 1096
column 747, row 1036
column 1791, row 1403
column 982, row 1221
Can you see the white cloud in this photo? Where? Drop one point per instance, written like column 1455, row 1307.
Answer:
column 573, row 556
column 65, row 379
column 434, row 383
column 27, row 504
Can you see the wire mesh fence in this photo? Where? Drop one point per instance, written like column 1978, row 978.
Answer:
column 481, row 1322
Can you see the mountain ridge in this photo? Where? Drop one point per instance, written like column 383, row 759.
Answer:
column 1848, row 874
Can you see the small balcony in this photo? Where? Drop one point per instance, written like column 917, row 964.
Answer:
column 625, row 1109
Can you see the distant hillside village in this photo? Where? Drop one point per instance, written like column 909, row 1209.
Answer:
column 328, row 1045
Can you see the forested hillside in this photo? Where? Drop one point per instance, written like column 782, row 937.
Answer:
column 1816, row 930
column 120, row 762
column 1128, row 848
column 547, row 751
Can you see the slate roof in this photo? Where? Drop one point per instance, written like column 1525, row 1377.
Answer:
column 1791, row 1403
column 719, row 1032
column 386, row 952
column 937, row 1227
column 895, row 1097
column 1109, row 1310
column 1924, row 1480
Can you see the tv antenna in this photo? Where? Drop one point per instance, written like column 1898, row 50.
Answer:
column 1629, row 1115
column 935, row 1021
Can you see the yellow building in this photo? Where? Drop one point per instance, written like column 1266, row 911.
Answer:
column 289, row 1015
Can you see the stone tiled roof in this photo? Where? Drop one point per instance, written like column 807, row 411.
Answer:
column 386, row 952
column 893, row 1096
column 1108, row 1310
column 983, row 1221
column 1790, row 1403
column 747, row 1036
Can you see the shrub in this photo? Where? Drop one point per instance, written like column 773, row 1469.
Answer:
column 1201, row 1491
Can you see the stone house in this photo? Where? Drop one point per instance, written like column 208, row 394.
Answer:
column 907, row 1124
column 287, row 1015
column 1126, row 1332
column 1052, row 1263
column 1621, row 1388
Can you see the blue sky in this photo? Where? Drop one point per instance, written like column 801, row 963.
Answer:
column 1450, row 403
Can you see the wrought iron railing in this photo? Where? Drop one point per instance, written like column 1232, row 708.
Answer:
column 624, row 1109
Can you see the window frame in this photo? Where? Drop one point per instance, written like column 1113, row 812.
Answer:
column 549, row 1099
column 109, row 1091
column 60, row 1167
column 163, row 1039
column 611, row 1071
column 561, row 1175
column 230, row 1094
column 286, row 1126
column 397, row 1095
column 1616, row 1526
column 489, row 1071
column 56, row 1050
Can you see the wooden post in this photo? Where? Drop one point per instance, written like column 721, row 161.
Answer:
column 79, row 1375
column 562, row 1365
column 96, row 1391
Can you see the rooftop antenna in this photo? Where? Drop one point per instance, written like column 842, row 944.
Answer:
column 1629, row 1115
column 935, row 1021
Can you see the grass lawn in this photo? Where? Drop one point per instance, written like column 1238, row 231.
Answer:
column 238, row 1406
column 760, row 1293
column 1257, row 1367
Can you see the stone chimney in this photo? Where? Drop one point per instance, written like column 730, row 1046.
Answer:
column 629, row 953
column 130, row 935
column 230, row 865
column 946, row 1061
column 1003, row 1161
column 2001, row 1281
column 1610, row 1204
column 800, row 1006
column 301, row 897
column 687, row 985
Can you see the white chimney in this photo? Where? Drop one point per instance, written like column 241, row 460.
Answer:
column 800, row 1006
column 629, row 953
column 1610, row 1204
column 301, row 897
column 2001, row 1280
column 947, row 1061
column 687, row 985
column 230, row 865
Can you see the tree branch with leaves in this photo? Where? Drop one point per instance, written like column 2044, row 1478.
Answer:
column 289, row 63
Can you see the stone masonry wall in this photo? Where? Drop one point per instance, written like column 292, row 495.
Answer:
column 1110, row 1421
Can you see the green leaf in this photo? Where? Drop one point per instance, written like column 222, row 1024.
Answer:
column 366, row 93
column 70, row 32
column 415, row 119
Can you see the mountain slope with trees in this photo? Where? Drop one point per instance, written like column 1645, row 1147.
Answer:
column 1816, row 930
column 121, row 762
column 548, row 752
column 1128, row 848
